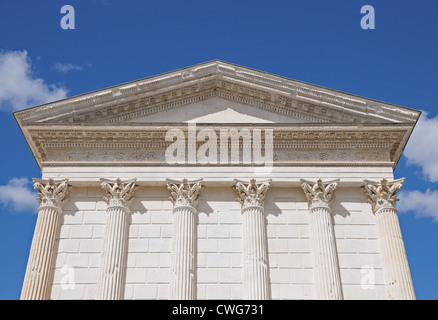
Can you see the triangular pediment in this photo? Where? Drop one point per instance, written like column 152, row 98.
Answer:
column 129, row 124
column 217, row 92
column 215, row 110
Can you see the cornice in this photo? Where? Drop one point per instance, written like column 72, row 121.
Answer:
column 316, row 163
column 216, row 78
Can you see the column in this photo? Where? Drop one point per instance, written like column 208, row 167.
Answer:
column 184, row 196
column 256, row 278
column 383, row 197
column 39, row 272
column 327, row 277
column 113, row 265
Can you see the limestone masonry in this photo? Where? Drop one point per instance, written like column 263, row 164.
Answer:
column 217, row 181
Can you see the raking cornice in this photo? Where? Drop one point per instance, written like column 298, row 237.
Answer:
column 217, row 79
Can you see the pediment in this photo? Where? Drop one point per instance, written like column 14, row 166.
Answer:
column 127, row 124
column 215, row 110
column 244, row 94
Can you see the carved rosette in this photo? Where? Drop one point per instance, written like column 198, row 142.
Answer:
column 51, row 193
column 184, row 193
column 319, row 194
column 118, row 193
column 252, row 193
column 382, row 195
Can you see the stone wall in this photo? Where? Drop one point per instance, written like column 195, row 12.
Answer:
column 219, row 256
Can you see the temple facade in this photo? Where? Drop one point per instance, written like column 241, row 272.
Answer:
column 217, row 181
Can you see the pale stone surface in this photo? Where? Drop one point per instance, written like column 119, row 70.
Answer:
column 184, row 195
column 188, row 247
column 222, row 248
column 383, row 197
column 38, row 277
column 251, row 196
column 216, row 110
column 118, row 196
column 327, row 277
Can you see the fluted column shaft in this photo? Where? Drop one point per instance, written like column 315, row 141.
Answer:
column 39, row 271
column 184, row 196
column 256, row 278
column 256, row 273
column 114, row 254
column 327, row 277
column 115, row 241
column 326, row 267
column 397, row 273
column 183, row 254
column 383, row 197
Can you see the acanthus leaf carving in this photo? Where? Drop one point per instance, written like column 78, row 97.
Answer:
column 184, row 193
column 50, row 192
column 319, row 194
column 383, row 194
column 251, row 193
column 118, row 192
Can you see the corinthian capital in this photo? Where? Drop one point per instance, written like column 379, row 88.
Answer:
column 383, row 194
column 50, row 192
column 118, row 192
column 251, row 193
column 184, row 193
column 319, row 194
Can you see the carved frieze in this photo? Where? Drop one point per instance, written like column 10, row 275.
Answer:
column 331, row 156
column 290, row 146
column 106, row 155
column 282, row 157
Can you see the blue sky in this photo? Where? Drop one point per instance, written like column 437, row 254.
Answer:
column 320, row 42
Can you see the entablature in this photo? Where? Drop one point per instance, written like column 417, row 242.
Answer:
column 146, row 144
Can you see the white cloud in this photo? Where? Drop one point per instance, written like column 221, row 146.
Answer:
column 422, row 147
column 423, row 204
column 18, row 195
column 18, row 86
column 66, row 67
